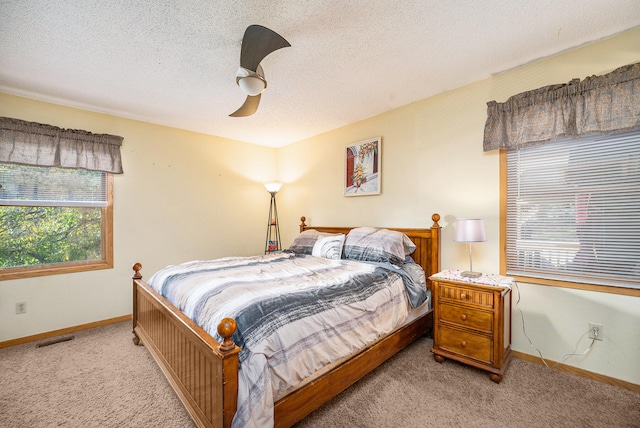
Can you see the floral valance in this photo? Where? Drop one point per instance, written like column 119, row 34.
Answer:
column 31, row 143
column 597, row 104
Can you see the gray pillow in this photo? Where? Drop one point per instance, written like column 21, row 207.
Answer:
column 377, row 245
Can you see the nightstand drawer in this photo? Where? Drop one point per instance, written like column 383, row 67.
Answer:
column 467, row 317
column 467, row 344
column 466, row 295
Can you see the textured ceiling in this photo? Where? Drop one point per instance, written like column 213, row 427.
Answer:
column 174, row 62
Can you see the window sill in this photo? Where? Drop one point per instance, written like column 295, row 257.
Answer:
column 635, row 292
column 54, row 269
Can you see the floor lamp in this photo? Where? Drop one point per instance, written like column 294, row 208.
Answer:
column 470, row 230
column 272, row 243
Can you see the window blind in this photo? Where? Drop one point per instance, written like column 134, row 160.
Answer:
column 573, row 210
column 44, row 186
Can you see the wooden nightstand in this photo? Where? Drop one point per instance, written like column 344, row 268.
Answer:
column 472, row 321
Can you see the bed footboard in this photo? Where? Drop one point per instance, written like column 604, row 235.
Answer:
column 202, row 371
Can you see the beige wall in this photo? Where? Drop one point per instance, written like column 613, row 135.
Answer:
column 432, row 161
column 188, row 196
column 183, row 196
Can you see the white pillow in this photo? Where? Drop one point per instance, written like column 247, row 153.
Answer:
column 329, row 247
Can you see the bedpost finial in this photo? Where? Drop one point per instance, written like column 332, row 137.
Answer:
column 136, row 268
column 436, row 218
column 302, row 223
column 226, row 328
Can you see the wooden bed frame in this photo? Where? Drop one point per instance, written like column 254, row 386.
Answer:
column 204, row 372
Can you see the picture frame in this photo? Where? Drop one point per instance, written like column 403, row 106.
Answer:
column 362, row 174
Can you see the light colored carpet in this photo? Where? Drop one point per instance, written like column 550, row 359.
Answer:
column 100, row 379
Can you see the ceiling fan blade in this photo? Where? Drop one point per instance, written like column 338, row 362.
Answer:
column 257, row 43
column 248, row 108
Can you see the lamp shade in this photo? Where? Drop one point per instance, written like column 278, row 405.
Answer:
column 251, row 85
column 470, row 230
column 273, row 186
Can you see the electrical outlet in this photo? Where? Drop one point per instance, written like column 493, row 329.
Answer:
column 21, row 308
column 596, row 331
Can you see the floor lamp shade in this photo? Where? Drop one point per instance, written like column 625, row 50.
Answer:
column 273, row 186
column 470, row 230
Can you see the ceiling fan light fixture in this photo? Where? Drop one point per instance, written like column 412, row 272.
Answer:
column 257, row 43
column 252, row 85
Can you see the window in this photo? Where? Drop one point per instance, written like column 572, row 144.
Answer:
column 573, row 211
column 56, row 199
column 54, row 220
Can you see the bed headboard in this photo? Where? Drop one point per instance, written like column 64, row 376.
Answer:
column 427, row 241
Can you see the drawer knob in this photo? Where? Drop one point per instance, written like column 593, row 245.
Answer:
column 463, row 296
column 463, row 344
column 464, row 317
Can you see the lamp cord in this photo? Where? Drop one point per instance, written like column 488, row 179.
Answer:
column 565, row 356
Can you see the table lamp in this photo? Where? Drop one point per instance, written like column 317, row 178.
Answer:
column 470, row 230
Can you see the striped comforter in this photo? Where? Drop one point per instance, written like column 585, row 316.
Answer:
column 295, row 314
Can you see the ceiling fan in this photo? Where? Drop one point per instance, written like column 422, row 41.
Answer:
column 257, row 43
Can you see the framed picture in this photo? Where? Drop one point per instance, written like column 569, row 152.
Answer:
column 362, row 168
